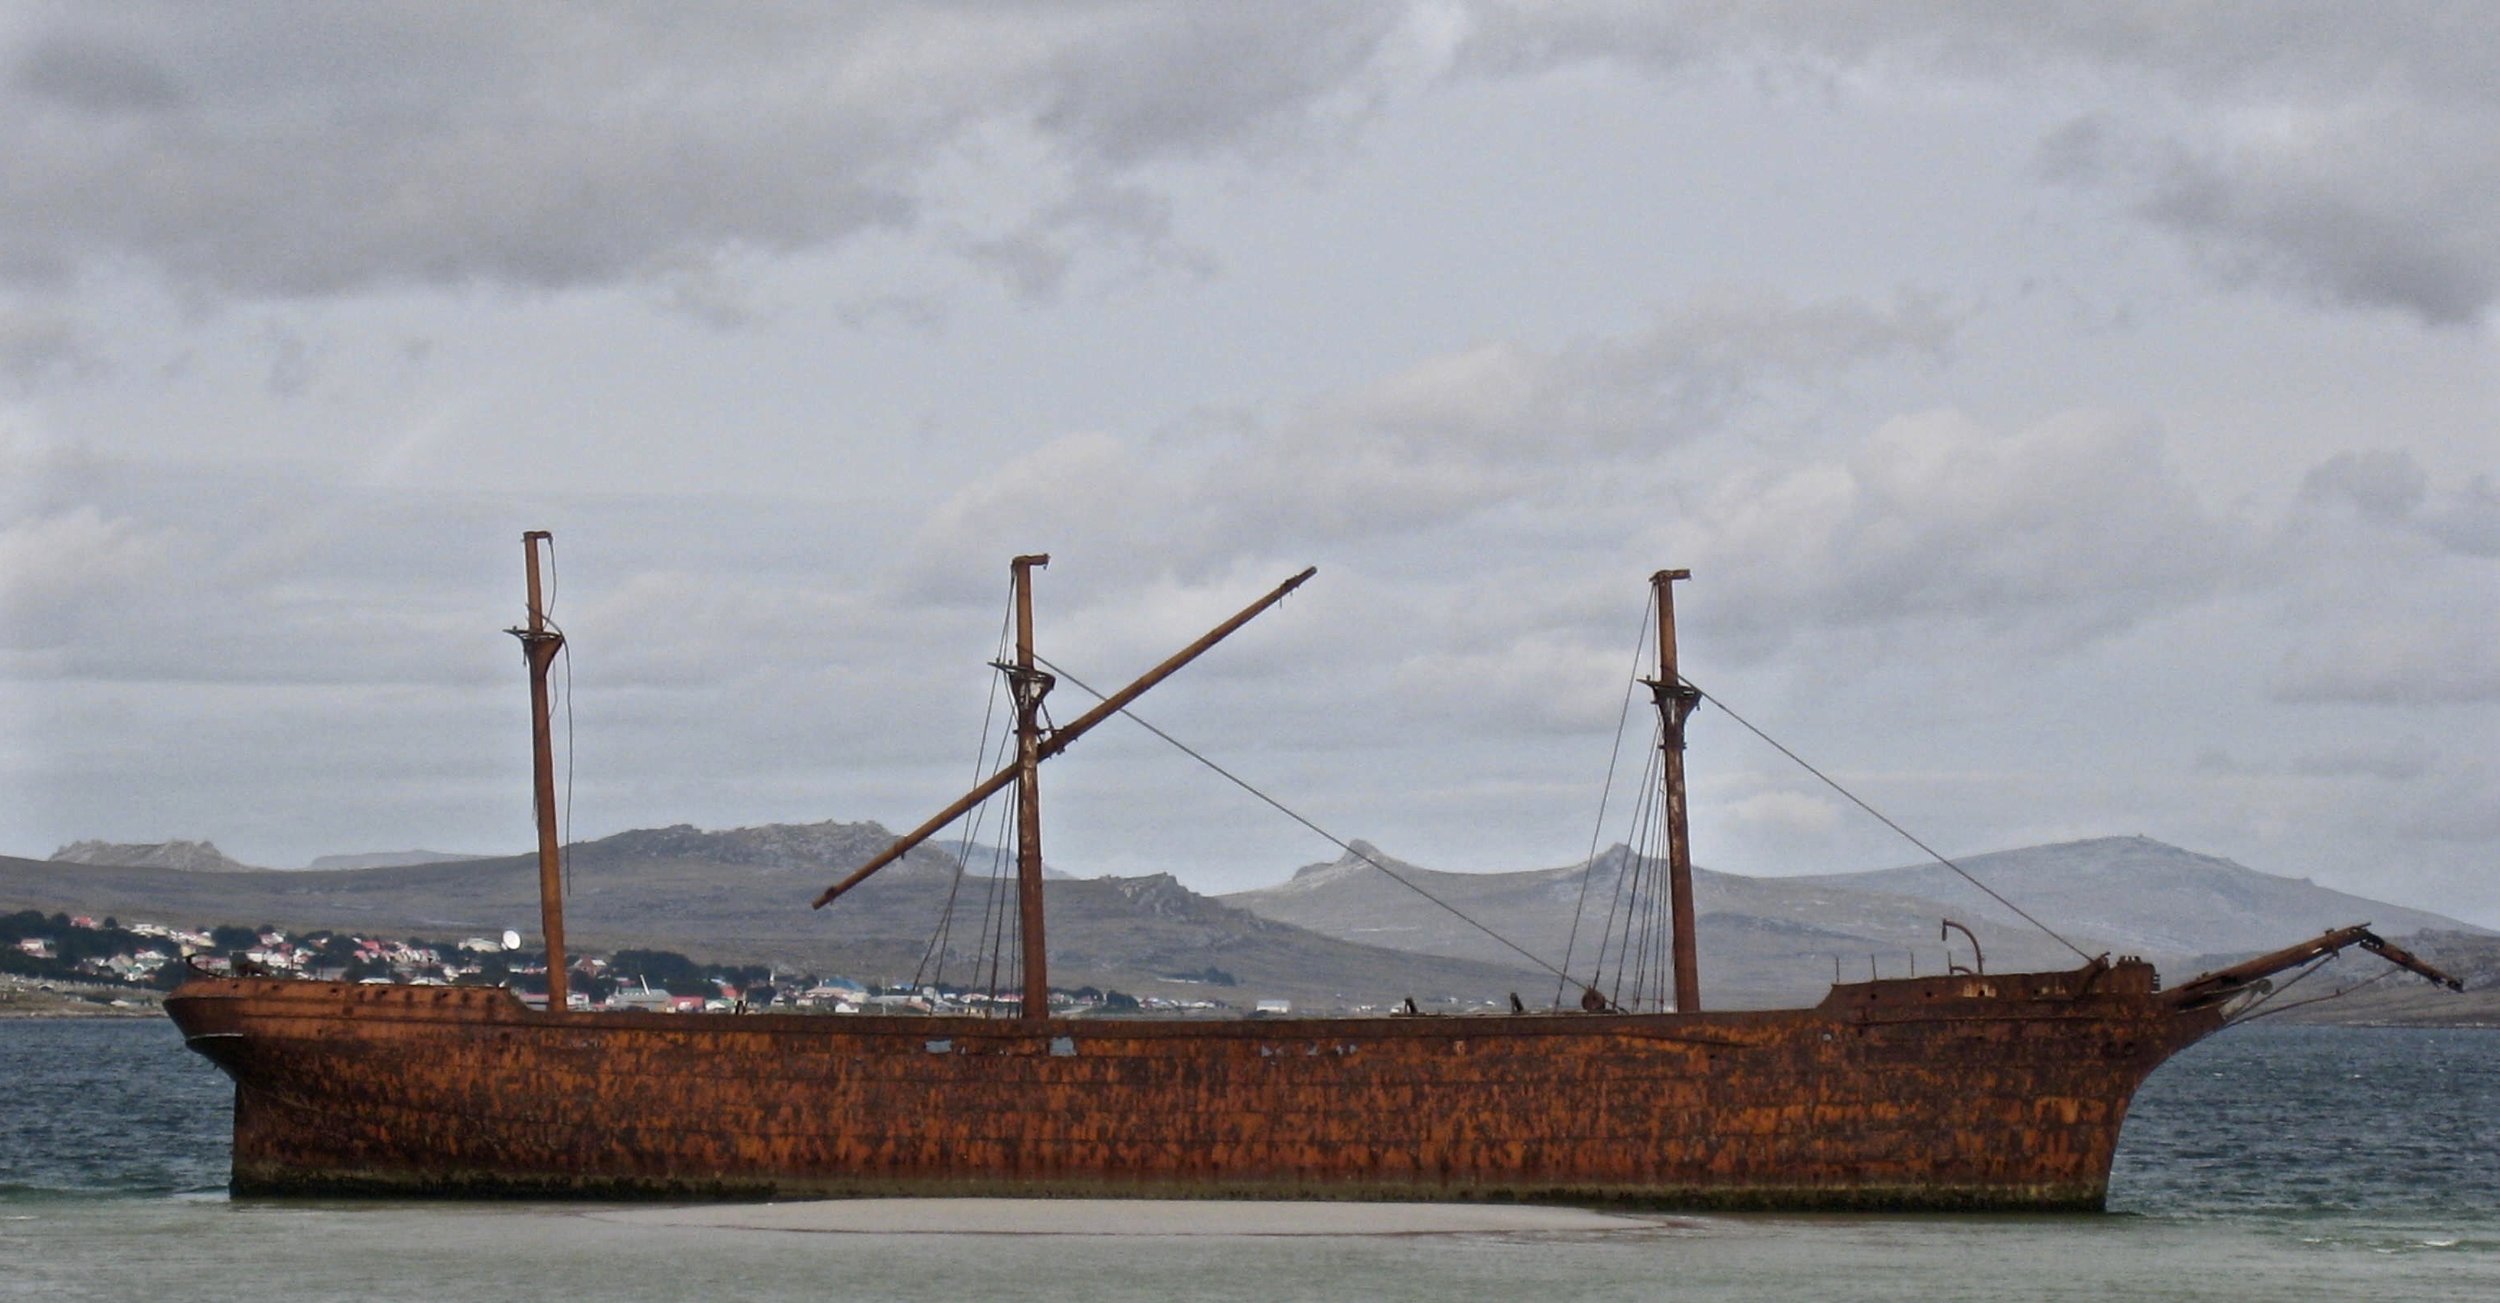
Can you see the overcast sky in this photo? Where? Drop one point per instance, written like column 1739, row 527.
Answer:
column 2078, row 419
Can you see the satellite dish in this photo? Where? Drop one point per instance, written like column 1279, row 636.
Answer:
column 511, row 939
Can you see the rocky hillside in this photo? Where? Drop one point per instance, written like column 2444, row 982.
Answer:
column 1762, row 941
column 1780, row 940
column 742, row 894
column 1343, row 933
column 187, row 857
column 387, row 859
column 2144, row 896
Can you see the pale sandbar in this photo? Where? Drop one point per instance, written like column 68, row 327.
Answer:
column 1138, row 1217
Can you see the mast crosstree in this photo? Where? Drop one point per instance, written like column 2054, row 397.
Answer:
column 1035, row 744
column 539, row 644
column 1676, row 700
column 1029, row 685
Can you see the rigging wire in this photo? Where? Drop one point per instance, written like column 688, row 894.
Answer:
column 1625, row 902
column 2261, row 1011
column 2295, row 979
column 1281, row 808
column 945, row 928
column 1656, row 956
column 564, row 652
column 993, row 942
column 1641, row 931
column 1562, row 976
column 1854, row 799
column 1605, row 794
column 999, row 903
column 1011, row 939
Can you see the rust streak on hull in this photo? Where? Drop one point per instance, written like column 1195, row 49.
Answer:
column 1999, row 1092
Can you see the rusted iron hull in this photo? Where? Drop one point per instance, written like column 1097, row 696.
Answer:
column 2003, row 1092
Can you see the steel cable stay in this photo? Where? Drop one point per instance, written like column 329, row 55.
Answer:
column 1290, row 813
column 988, row 943
column 994, row 908
column 933, row 958
column 1652, row 956
column 1605, row 794
column 998, row 939
column 1638, row 847
column 991, row 940
column 1886, row 820
column 1648, row 899
column 1634, row 939
column 1627, row 902
column 564, row 658
column 1635, row 856
column 2260, row 1009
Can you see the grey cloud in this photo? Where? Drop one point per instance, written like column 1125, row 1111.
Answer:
column 1495, row 425
column 2466, row 808
column 37, row 343
column 2343, row 152
column 2074, row 528
column 1139, row 82
column 1499, row 427
column 2386, row 577
column 276, row 150
column 123, row 574
column 2469, row 522
column 2456, row 804
column 2301, row 49
column 2380, row 213
column 2430, row 660
column 2383, row 485
column 2399, row 761
column 292, row 366
column 89, row 76
column 51, row 563
column 1679, row 377
column 706, row 290
column 114, row 573
column 1036, row 257
column 2388, row 488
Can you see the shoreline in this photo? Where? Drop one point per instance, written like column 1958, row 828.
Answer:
column 32, row 998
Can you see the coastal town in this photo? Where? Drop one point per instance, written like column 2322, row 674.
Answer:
column 108, row 965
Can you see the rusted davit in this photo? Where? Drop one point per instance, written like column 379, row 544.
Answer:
column 1963, row 1091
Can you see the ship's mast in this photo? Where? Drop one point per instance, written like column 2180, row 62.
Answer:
column 1676, row 700
column 1029, row 685
column 1051, row 744
column 539, row 645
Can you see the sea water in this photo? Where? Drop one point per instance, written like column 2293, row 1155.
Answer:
column 2270, row 1162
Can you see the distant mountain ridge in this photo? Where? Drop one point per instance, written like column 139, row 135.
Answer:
column 1340, row 931
column 1762, row 942
column 2143, row 896
column 186, row 856
column 742, row 895
column 830, row 845
column 389, row 859
column 1780, row 940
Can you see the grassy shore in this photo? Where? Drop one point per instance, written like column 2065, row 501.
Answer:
column 22, row 997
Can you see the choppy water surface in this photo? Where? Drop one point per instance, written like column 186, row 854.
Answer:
column 2267, row 1163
